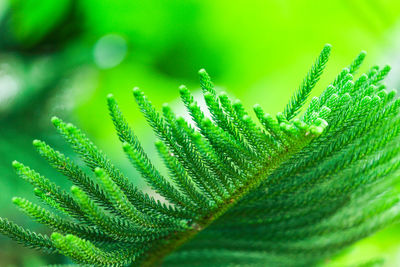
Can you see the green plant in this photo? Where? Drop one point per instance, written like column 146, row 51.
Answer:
column 290, row 193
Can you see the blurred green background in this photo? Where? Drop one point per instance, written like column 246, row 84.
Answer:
column 63, row 57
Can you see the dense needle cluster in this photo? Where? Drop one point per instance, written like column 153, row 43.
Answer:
column 288, row 190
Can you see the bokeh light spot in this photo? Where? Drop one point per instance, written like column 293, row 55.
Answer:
column 109, row 51
column 9, row 88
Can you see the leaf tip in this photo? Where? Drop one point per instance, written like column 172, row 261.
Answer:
column 55, row 120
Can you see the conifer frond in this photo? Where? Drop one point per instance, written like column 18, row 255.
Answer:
column 285, row 191
column 297, row 100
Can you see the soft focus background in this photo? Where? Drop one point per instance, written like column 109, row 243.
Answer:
column 63, row 57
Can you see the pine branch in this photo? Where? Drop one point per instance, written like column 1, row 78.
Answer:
column 297, row 100
column 285, row 191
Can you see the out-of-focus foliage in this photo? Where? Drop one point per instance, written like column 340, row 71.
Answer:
column 62, row 58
